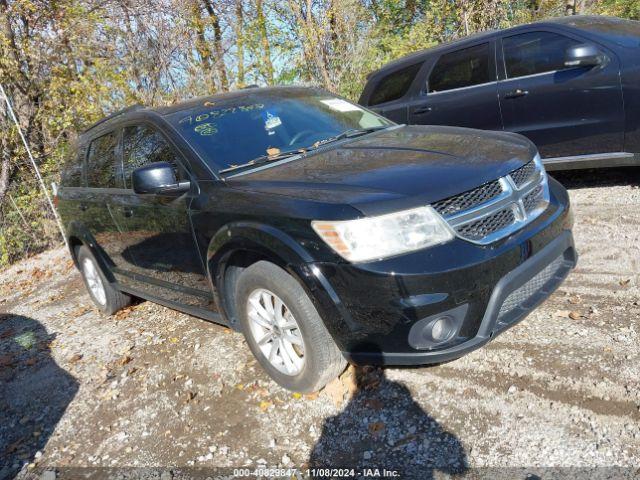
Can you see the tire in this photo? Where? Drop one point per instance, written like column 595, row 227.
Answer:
column 321, row 358
column 110, row 300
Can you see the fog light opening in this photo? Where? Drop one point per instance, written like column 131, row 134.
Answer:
column 442, row 329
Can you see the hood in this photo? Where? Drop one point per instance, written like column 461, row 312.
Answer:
column 380, row 172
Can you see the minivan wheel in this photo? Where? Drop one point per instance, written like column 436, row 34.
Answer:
column 108, row 299
column 284, row 330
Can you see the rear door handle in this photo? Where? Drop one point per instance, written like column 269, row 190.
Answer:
column 421, row 110
column 516, row 93
column 127, row 212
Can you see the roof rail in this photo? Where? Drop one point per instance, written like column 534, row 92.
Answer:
column 132, row 108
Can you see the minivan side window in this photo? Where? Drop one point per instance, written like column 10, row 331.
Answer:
column 535, row 52
column 142, row 144
column 463, row 68
column 101, row 162
column 394, row 85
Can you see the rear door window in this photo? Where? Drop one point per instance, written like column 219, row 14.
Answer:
column 535, row 52
column 102, row 168
column 394, row 85
column 142, row 144
column 462, row 68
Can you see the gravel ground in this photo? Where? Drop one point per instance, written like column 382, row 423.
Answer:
column 151, row 387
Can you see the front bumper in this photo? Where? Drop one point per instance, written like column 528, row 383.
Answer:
column 523, row 289
column 370, row 310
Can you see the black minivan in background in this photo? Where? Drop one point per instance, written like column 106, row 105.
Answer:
column 569, row 84
column 319, row 229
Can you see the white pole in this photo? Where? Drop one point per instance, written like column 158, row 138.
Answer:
column 35, row 167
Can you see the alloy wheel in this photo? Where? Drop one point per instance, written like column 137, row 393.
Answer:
column 94, row 281
column 276, row 331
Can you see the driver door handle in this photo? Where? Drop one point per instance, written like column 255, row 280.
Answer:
column 421, row 110
column 517, row 93
column 128, row 212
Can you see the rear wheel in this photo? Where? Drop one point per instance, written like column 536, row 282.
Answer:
column 284, row 330
column 107, row 298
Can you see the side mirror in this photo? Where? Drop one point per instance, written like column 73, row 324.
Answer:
column 583, row 55
column 157, row 178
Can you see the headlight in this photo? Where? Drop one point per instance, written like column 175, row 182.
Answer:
column 378, row 237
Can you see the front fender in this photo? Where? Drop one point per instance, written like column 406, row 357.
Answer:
column 271, row 244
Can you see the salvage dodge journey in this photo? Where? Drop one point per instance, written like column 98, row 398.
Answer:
column 320, row 230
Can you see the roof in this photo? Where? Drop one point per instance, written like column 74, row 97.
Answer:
column 572, row 20
column 218, row 98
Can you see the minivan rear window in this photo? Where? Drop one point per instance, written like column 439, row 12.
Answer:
column 463, row 68
column 394, row 85
column 101, row 162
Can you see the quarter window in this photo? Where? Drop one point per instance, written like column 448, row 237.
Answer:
column 394, row 85
column 143, row 145
column 463, row 68
column 101, row 162
column 535, row 52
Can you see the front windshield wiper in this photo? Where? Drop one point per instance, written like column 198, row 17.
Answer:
column 264, row 159
column 352, row 132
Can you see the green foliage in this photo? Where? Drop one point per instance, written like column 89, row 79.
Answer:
column 66, row 63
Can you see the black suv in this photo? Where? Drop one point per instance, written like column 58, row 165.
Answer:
column 569, row 84
column 320, row 230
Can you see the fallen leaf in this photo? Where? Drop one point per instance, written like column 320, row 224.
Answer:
column 374, row 404
column 376, row 428
column 125, row 359
column 348, row 379
column 574, row 315
column 575, row 300
column 625, row 282
column 76, row 357
column 124, row 313
column 335, row 391
column 6, row 360
column 7, row 333
column 264, row 405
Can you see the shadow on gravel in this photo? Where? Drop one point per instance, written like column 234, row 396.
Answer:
column 603, row 177
column 382, row 427
column 34, row 391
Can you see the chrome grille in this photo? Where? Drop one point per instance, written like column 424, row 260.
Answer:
column 524, row 174
column 469, row 199
column 497, row 208
column 532, row 200
column 481, row 228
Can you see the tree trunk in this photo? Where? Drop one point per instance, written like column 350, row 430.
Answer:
column 5, row 167
column 217, row 46
column 201, row 44
column 240, row 42
column 266, row 47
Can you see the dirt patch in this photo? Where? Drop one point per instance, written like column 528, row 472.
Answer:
column 153, row 387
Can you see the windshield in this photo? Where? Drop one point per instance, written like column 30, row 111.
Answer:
column 235, row 131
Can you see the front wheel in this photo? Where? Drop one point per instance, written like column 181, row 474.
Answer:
column 284, row 330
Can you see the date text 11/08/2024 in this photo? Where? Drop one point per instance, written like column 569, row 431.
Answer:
column 316, row 473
